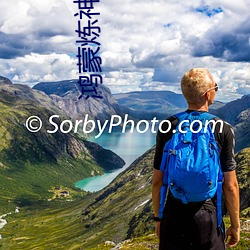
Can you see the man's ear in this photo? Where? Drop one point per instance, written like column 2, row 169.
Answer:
column 207, row 95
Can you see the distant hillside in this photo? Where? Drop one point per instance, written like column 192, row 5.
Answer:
column 65, row 94
column 243, row 175
column 4, row 80
column 216, row 105
column 151, row 100
column 31, row 163
column 149, row 104
column 242, row 130
column 237, row 114
column 232, row 110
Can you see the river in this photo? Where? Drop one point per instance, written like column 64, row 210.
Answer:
column 129, row 146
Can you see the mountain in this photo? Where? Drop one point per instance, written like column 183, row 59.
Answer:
column 4, row 80
column 32, row 163
column 237, row 114
column 243, row 175
column 242, row 130
column 65, row 94
column 34, row 166
column 232, row 110
column 122, row 210
column 149, row 104
column 216, row 105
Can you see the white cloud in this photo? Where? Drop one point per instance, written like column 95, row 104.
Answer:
column 35, row 16
column 131, row 81
column 145, row 45
column 35, row 68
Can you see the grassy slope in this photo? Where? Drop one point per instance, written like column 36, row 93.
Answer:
column 54, row 225
column 112, row 214
column 243, row 176
column 31, row 164
column 60, row 225
column 150, row 242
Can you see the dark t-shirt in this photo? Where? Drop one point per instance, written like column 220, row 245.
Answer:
column 225, row 141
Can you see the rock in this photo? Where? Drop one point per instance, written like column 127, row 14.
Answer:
column 109, row 243
column 65, row 94
column 4, row 80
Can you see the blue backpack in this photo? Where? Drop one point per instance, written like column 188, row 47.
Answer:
column 191, row 162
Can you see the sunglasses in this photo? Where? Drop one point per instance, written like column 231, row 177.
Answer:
column 216, row 87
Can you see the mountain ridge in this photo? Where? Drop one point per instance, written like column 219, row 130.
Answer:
column 58, row 159
column 65, row 94
column 120, row 211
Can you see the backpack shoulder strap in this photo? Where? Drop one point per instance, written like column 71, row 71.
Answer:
column 208, row 116
column 182, row 115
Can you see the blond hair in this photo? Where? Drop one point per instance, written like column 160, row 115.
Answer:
column 195, row 83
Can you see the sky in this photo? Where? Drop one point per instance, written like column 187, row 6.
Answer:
column 145, row 44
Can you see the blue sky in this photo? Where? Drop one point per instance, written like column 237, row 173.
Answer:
column 145, row 44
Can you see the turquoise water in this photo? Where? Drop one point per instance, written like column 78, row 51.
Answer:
column 129, row 146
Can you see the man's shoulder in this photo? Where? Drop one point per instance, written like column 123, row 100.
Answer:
column 220, row 124
column 173, row 121
column 227, row 127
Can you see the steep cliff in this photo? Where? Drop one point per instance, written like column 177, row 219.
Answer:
column 31, row 163
column 65, row 94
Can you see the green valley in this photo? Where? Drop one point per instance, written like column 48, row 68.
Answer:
column 32, row 163
column 120, row 213
column 38, row 172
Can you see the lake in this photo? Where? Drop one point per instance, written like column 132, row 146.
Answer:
column 129, row 146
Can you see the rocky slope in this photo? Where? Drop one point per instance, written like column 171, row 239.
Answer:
column 242, row 130
column 4, row 80
column 125, row 206
column 237, row 114
column 232, row 110
column 243, row 175
column 65, row 94
column 31, row 163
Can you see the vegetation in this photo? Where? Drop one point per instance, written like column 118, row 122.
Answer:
column 243, row 175
column 38, row 172
column 32, row 163
column 118, row 213
column 57, row 225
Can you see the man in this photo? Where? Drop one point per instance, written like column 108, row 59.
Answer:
column 194, row 225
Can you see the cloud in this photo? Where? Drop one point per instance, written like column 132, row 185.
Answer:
column 32, row 27
column 34, row 68
column 36, row 17
column 145, row 45
column 230, row 45
column 131, row 81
